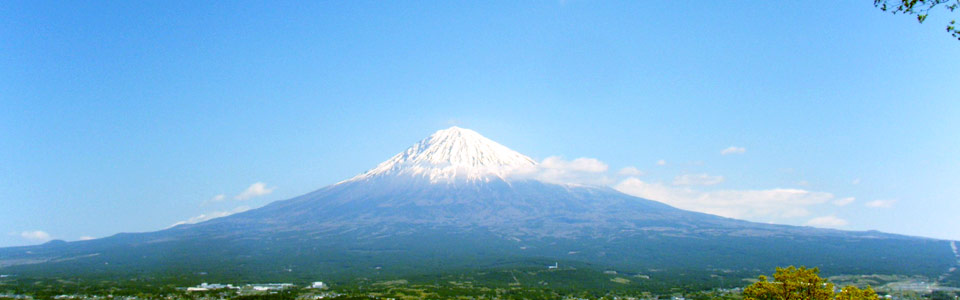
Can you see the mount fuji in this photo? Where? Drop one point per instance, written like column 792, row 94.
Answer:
column 458, row 202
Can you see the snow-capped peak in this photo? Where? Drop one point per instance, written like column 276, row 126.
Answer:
column 453, row 153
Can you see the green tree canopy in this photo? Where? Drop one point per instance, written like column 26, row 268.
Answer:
column 921, row 8
column 801, row 283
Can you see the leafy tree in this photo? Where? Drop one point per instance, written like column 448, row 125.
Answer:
column 793, row 283
column 853, row 293
column 921, row 8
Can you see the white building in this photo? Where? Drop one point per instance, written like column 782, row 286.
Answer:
column 207, row 287
column 271, row 286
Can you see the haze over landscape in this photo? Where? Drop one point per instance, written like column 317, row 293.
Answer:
column 174, row 143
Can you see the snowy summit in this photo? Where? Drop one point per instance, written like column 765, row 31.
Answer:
column 452, row 154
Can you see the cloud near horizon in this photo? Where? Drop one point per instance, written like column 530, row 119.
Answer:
column 881, row 203
column 843, row 201
column 630, row 171
column 741, row 204
column 211, row 215
column 761, row 205
column 827, row 222
column 555, row 169
column 36, row 235
column 733, row 150
column 697, row 179
column 254, row 190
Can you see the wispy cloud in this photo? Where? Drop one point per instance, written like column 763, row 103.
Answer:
column 36, row 235
column 255, row 190
column 555, row 169
column 583, row 164
column 685, row 192
column 582, row 170
column 881, row 203
column 212, row 215
column 697, row 179
column 661, row 162
column 775, row 204
column 86, row 238
column 733, row 150
column 214, row 199
column 630, row 171
column 827, row 222
column 844, row 201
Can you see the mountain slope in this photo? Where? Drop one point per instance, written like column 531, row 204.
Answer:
column 457, row 202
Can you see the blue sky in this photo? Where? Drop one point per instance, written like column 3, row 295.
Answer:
column 132, row 116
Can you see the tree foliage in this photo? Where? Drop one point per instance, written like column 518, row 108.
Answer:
column 801, row 283
column 854, row 293
column 791, row 284
column 921, row 8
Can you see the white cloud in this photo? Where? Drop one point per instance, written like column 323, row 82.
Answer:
column 214, row 199
column 255, row 190
column 742, row 204
column 661, row 162
column 844, row 201
column 86, row 238
column 827, row 222
column 630, row 171
column 855, row 181
column 212, row 215
column 881, row 203
column 733, row 150
column 555, row 169
column 578, row 171
column 697, row 179
column 36, row 235
column 583, row 164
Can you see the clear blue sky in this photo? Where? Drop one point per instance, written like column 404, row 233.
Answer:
column 130, row 116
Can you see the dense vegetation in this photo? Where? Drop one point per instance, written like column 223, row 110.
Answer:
column 667, row 261
column 568, row 281
column 802, row 283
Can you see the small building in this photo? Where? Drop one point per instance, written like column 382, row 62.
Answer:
column 209, row 287
column 271, row 286
column 318, row 285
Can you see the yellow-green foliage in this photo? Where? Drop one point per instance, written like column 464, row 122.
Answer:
column 853, row 293
column 793, row 283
